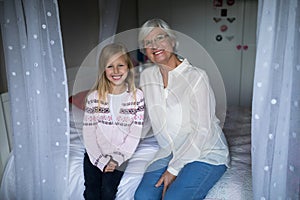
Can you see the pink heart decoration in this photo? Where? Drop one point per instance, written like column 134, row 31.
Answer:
column 239, row 47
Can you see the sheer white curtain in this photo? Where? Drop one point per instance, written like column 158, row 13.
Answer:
column 109, row 17
column 38, row 95
column 276, row 102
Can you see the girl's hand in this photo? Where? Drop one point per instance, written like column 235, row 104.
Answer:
column 167, row 179
column 111, row 166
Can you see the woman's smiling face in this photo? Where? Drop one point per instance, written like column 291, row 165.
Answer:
column 158, row 46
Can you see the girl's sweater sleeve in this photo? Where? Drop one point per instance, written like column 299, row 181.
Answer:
column 126, row 150
column 89, row 134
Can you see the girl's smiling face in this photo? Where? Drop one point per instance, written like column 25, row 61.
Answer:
column 158, row 46
column 116, row 72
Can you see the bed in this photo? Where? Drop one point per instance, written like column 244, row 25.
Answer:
column 235, row 184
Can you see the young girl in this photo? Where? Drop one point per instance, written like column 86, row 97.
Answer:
column 112, row 124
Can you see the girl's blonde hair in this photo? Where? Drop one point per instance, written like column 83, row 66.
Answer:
column 102, row 84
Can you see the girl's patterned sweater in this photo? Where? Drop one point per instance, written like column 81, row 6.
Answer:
column 106, row 138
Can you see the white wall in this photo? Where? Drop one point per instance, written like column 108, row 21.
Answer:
column 195, row 19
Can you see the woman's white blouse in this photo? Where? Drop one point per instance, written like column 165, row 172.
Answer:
column 183, row 116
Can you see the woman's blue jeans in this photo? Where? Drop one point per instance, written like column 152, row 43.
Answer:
column 193, row 181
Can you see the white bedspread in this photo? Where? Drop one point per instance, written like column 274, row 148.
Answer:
column 234, row 185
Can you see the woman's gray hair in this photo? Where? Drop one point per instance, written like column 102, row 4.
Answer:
column 149, row 25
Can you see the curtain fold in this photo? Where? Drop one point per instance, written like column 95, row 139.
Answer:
column 38, row 96
column 109, row 17
column 276, row 113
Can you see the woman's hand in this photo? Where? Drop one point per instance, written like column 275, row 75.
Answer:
column 111, row 166
column 167, row 179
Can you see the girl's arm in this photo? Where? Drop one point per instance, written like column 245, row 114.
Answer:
column 89, row 134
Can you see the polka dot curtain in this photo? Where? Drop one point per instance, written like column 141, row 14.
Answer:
column 276, row 99
column 38, row 95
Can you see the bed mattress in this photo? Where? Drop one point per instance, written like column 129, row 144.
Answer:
column 235, row 184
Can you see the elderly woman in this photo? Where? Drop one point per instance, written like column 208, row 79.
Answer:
column 193, row 152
